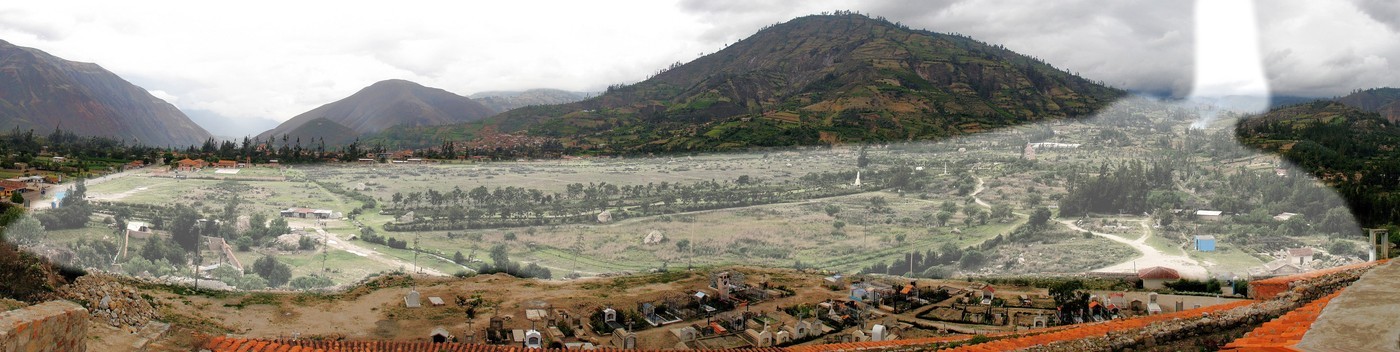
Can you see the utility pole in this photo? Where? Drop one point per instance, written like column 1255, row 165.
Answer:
column 325, row 249
column 416, row 268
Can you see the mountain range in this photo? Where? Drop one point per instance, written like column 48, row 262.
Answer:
column 42, row 92
column 818, row 79
column 502, row 101
column 379, row 106
column 811, row 80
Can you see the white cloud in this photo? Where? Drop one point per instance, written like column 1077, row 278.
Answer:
column 162, row 95
column 275, row 59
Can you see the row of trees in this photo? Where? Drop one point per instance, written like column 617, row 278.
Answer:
column 516, row 206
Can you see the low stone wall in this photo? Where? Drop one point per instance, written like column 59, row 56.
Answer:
column 49, row 326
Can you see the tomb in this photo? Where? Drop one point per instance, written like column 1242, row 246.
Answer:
column 411, row 300
column 624, row 339
column 1152, row 306
column 440, row 335
column 877, row 333
column 533, row 339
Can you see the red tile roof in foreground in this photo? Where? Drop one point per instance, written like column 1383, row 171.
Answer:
column 1096, row 329
column 1009, row 340
column 1285, row 331
column 1268, row 288
column 1278, row 335
column 226, row 344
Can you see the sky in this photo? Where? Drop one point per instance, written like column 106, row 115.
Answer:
column 243, row 66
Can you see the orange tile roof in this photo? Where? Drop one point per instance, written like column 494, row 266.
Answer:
column 1159, row 272
column 228, row 344
column 1282, row 333
column 1268, row 288
column 12, row 185
column 1082, row 331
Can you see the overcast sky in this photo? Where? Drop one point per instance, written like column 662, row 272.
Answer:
column 270, row 60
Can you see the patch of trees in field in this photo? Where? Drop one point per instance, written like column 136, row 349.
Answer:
column 511, row 206
column 501, row 263
column 1123, row 188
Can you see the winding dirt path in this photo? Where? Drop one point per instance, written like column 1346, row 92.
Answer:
column 1150, row 257
column 334, row 241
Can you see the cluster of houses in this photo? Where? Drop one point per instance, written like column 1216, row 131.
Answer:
column 29, row 187
column 195, row 165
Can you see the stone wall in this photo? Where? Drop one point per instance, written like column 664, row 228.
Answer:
column 48, row 326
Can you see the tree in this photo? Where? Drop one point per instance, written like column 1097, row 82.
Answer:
column 1039, row 217
column 832, row 209
column 26, row 230
column 862, row 160
column 184, row 228
column 1066, row 293
column 157, row 251
column 272, row 270
column 306, row 243
column 1337, row 220
column 949, row 206
column 278, row 227
column 949, row 253
column 972, row 259
column 17, row 198
column 1001, row 211
column 500, row 255
column 459, row 258
column 943, row 217
column 1033, row 199
column 682, row 245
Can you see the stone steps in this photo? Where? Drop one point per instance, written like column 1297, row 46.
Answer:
column 153, row 331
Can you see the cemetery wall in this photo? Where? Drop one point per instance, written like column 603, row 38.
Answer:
column 48, row 326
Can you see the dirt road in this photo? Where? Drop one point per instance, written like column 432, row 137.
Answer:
column 1189, row 268
column 334, row 241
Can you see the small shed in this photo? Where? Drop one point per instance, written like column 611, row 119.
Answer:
column 1204, row 243
column 1300, row 256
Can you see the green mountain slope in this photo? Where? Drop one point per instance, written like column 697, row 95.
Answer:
column 812, row 80
column 1350, row 149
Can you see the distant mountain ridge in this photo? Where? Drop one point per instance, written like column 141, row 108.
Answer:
column 811, row 80
column 502, row 101
column 42, row 92
column 1383, row 101
column 377, row 107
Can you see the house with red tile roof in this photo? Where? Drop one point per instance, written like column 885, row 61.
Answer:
column 190, row 165
column 1156, row 277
